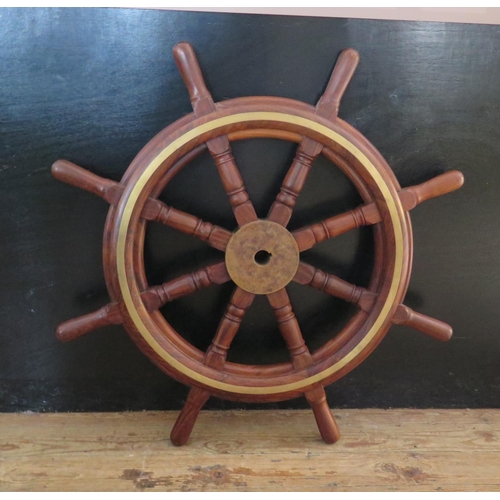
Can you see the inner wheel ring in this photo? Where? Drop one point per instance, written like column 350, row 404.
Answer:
column 157, row 345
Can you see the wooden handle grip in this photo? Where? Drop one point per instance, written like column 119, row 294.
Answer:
column 190, row 71
column 74, row 328
column 425, row 324
column 341, row 76
column 442, row 184
column 79, row 177
column 326, row 423
column 324, row 419
column 187, row 418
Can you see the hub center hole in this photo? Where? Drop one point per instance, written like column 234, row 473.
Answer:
column 262, row 257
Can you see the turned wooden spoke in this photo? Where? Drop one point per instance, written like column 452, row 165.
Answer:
column 365, row 299
column 368, row 214
column 301, row 359
column 157, row 296
column 153, row 299
column 243, row 209
column 332, row 285
column 215, row 357
column 308, row 149
column 214, row 235
column 290, row 329
column 219, row 147
column 154, row 210
column 217, row 352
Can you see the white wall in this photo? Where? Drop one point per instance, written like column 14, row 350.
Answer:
column 483, row 15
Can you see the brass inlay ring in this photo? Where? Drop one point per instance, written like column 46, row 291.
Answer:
column 262, row 257
column 132, row 300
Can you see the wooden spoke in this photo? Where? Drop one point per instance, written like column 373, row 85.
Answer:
column 325, row 421
column 215, row 357
column 243, row 209
column 290, row 329
column 154, row 210
column 76, row 176
column 308, row 149
column 77, row 327
column 214, row 235
column 219, row 147
column 332, row 285
column 364, row 299
column 228, row 327
column 364, row 215
column 309, row 236
column 301, row 358
column 184, row 424
column 153, row 299
column 157, row 296
column 432, row 327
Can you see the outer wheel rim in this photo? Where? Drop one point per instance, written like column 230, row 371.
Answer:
column 257, row 385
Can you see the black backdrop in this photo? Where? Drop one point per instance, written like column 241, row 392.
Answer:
column 94, row 85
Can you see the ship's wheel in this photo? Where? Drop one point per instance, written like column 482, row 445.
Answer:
column 260, row 255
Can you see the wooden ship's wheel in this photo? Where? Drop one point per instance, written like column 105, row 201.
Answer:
column 260, row 256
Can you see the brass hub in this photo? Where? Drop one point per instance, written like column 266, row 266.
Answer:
column 262, row 257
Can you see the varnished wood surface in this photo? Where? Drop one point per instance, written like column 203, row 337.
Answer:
column 411, row 450
column 149, row 173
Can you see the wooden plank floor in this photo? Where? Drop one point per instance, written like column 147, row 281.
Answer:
column 409, row 450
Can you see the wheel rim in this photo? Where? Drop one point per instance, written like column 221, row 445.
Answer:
column 153, row 334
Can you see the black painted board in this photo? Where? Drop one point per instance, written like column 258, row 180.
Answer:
column 94, row 85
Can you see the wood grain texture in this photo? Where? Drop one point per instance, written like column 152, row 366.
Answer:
column 413, row 450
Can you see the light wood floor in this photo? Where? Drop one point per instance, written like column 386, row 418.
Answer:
column 252, row 451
